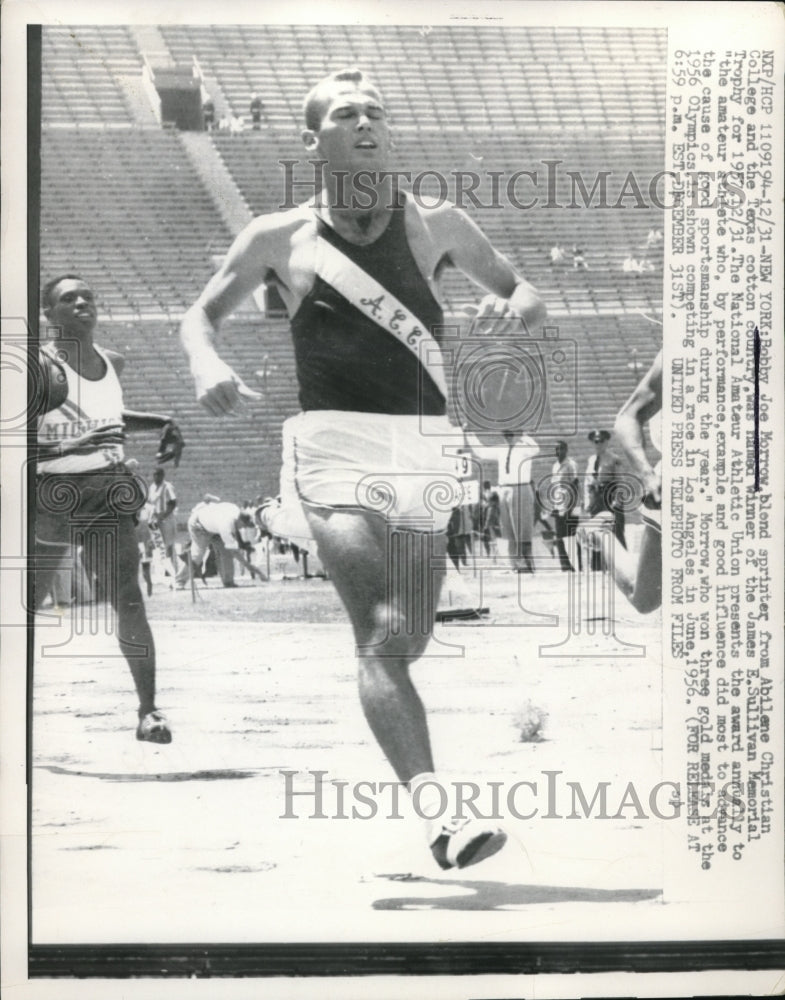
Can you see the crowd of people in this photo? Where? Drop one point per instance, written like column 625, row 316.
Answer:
column 524, row 503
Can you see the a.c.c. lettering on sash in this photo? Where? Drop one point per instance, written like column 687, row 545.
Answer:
column 375, row 305
column 397, row 318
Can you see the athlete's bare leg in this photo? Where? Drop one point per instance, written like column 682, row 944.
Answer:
column 392, row 610
column 638, row 578
column 354, row 548
column 118, row 579
column 145, row 564
column 48, row 559
column 147, row 576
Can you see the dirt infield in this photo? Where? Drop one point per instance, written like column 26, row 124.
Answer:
column 133, row 842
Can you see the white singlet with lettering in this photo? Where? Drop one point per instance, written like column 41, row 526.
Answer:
column 90, row 405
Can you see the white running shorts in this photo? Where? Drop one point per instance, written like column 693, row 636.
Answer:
column 393, row 465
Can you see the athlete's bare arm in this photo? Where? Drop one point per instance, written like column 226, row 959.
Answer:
column 141, row 420
column 472, row 252
column 262, row 246
column 643, row 404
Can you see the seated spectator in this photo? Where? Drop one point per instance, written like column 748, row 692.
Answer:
column 631, row 264
column 578, row 260
column 558, row 256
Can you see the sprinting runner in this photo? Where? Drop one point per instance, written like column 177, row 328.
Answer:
column 357, row 267
column 639, row 578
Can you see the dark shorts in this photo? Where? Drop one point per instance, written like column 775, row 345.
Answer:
column 79, row 501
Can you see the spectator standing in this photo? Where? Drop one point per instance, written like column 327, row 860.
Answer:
column 489, row 519
column 563, row 490
column 208, row 113
column 255, row 108
column 163, row 503
column 516, row 499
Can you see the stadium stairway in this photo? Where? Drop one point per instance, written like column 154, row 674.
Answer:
column 218, row 182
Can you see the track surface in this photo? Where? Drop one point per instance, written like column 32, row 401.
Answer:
column 133, row 842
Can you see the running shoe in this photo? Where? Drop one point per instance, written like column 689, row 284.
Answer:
column 154, row 728
column 467, row 842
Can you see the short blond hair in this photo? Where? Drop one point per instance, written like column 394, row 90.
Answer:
column 317, row 99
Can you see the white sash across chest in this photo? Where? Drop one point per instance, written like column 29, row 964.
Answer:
column 378, row 304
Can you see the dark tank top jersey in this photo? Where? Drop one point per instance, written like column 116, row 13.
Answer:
column 344, row 360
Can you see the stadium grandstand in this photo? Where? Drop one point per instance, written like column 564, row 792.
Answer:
column 160, row 204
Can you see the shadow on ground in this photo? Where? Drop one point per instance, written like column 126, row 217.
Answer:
column 501, row 895
column 219, row 775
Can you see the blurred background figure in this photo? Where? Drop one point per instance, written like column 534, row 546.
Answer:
column 516, row 499
column 255, row 109
column 564, row 493
column 162, row 502
column 489, row 520
column 217, row 524
column 208, row 111
column 601, row 487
